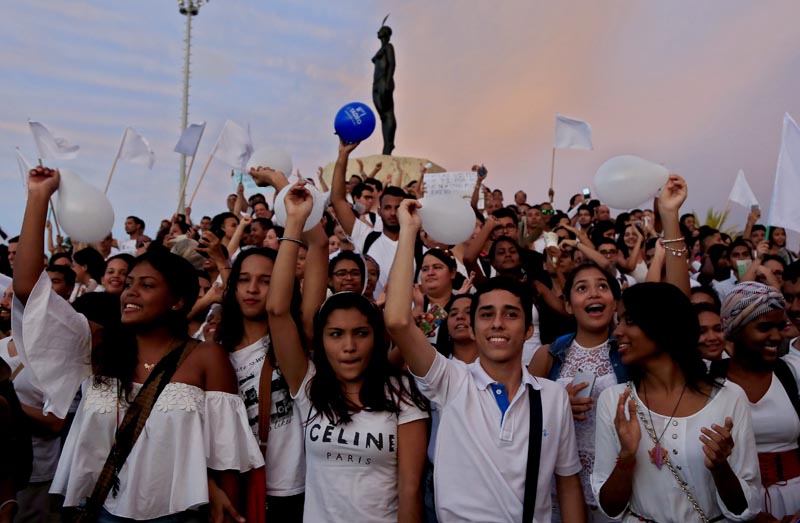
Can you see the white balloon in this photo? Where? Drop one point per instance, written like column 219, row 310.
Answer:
column 83, row 210
column 273, row 157
column 279, row 217
column 448, row 219
column 624, row 182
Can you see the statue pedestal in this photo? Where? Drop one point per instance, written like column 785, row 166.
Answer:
column 402, row 169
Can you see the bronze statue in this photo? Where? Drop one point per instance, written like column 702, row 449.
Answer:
column 383, row 87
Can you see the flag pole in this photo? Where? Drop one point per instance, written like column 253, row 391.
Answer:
column 116, row 159
column 202, row 175
column 551, row 193
column 52, row 208
column 182, row 194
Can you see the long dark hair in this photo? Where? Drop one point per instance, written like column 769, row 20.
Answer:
column 116, row 357
column 384, row 388
column 231, row 326
column 444, row 343
column 666, row 316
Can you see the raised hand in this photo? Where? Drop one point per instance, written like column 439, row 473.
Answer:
column 43, row 180
column 347, row 148
column 408, row 216
column 673, row 195
column 467, row 286
column 628, row 429
column 299, row 201
column 717, row 444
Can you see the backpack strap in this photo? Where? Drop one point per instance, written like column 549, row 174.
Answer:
column 369, row 240
column 534, row 454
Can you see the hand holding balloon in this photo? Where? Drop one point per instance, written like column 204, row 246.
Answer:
column 317, row 209
column 447, row 219
column 43, row 180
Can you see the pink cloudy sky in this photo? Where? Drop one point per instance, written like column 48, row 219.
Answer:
column 698, row 86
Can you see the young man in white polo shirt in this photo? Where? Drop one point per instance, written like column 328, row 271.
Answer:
column 482, row 447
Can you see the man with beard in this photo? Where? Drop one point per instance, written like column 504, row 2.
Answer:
column 717, row 271
column 134, row 228
column 381, row 245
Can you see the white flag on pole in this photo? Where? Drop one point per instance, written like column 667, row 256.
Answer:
column 190, row 139
column 234, row 145
column 572, row 134
column 136, row 149
column 51, row 147
column 741, row 192
column 24, row 168
column 783, row 209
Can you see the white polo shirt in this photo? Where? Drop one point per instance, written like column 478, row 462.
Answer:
column 480, row 456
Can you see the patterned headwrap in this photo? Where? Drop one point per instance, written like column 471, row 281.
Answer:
column 746, row 302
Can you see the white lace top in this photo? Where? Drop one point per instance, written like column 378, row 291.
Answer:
column 593, row 360
column 188, row 431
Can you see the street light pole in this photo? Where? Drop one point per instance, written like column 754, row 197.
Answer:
column 188, row 8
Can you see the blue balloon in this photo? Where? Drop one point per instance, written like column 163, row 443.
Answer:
column 354, row 122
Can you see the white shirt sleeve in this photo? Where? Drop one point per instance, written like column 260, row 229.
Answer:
column 744, row 459
column 229, row 442
column 408, row 411
column 55, row 343
column 442, row 380
column 606, row 444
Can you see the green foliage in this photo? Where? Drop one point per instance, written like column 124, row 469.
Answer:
column 716, row 220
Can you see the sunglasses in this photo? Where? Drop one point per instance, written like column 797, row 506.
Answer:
column 547, row 211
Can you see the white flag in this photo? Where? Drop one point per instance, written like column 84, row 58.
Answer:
column 51, row 147
column 24, row 168
column 234, row 145
column 136, row 149
column 741, row 192
column 572, row 134
column 190, row 139
column 783, row 209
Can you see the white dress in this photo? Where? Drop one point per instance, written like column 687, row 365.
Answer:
column 777, row 430
column 188, row 431
column 655, row 491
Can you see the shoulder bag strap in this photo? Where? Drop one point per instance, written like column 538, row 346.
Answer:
column 132, row 426
column 534, row 453
column 787, row 379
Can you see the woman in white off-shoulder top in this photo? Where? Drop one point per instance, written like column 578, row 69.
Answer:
column 196, row 437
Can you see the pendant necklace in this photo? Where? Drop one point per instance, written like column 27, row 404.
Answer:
column 658, row 454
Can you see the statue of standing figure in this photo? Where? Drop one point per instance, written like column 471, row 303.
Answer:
column 383, row 87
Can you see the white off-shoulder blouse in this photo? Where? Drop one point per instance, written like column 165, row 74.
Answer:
column 188, row 431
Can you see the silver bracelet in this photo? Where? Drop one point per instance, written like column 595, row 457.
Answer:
column 674, row 240
column 295, row 240
column 8, row 502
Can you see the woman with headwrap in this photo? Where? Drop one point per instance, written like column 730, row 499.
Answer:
column 753, row 318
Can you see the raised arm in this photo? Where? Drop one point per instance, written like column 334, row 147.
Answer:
column 414, row 346
column 669, row 204
column 375, row 170
column 752, row 219
column 472, row 249
column 286, row 339
column 42, row 183
column 236, row 239
column 315, row 283
column 241, row 203
column 338, row 192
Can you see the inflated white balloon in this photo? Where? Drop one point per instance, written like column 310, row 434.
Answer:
column 279, row 217
column 624, row 182
column 273, row 157
column 448, row 219
column 82, row 209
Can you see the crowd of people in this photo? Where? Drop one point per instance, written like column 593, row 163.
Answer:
column 555, row 366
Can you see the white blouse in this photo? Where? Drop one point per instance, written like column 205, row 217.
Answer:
column 188, row 431
column 655, row 491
